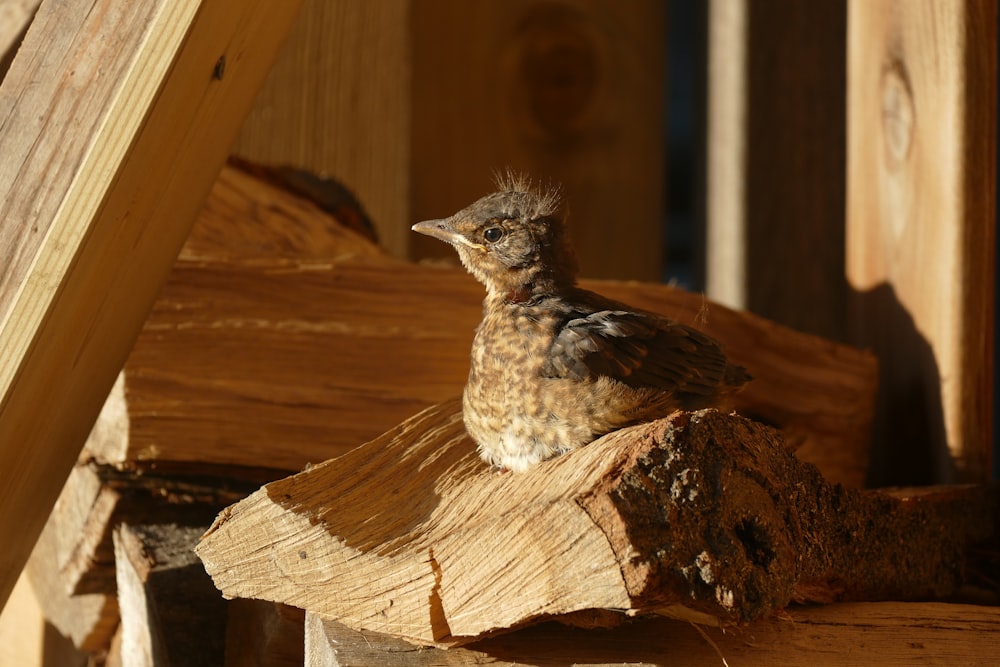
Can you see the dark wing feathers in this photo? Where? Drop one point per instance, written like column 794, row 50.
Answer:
column 640, row 350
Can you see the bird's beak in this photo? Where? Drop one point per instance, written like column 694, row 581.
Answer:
column 443, row 231
column 439, row 229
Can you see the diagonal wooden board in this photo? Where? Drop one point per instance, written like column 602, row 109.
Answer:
column 115, row 117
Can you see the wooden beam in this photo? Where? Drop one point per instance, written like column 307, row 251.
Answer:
column 114, row 119
column 921, row 224
column 776, row 161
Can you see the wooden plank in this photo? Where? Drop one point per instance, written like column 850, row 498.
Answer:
column 776, row 161
column 412, row 535
column 921, row 220
column 321, row 107
column 726, row 270
column 110, row 110
column 843, row 635
column 171, row 613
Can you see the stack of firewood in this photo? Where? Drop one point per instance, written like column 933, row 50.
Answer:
column 287, row 341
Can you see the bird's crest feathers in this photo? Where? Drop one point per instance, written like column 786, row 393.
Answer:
column 547, row 199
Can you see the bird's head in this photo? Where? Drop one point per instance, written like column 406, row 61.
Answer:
column 513, row 241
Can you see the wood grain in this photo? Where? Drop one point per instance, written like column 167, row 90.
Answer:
column 921, row 226
column 112, row 127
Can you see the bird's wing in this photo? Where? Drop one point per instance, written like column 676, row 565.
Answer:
column 639, row 350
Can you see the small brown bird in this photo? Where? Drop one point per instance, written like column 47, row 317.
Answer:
column 554, row 366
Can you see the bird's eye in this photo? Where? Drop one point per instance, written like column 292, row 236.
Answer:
column 493, row 234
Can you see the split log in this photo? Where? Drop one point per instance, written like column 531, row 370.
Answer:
column 702, row 515
column 282, row 338
column 171, row 613
column 72, row 568
column 844, row 635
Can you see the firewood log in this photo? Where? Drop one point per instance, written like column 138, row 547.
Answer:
column 705, row 516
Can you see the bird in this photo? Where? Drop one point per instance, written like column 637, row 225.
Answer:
column 554, row 366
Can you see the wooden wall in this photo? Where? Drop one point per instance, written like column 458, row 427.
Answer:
column 416, row 104
column 851, row 193
column 776, row 160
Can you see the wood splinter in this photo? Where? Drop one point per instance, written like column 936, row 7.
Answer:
column 702, row 515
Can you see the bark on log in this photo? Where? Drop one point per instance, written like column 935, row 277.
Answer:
column 171, row 614
column 702, row 515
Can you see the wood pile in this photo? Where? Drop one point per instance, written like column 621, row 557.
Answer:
column 280, row 343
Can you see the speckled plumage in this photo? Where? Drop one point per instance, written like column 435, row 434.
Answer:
column 554, row 366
